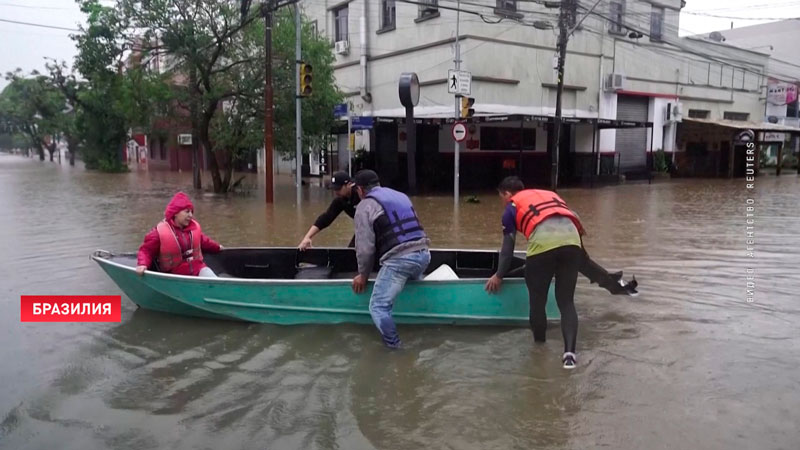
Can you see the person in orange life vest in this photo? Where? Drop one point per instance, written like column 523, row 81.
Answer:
column 177, row 242
column 554, row 250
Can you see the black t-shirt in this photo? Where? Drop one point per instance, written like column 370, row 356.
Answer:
column 339, row 204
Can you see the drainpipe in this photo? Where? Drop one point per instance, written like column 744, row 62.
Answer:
column 366, row 96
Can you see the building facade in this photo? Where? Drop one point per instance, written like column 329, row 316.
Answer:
column 625, row 61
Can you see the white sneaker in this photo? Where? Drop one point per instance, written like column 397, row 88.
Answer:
column 569, row 359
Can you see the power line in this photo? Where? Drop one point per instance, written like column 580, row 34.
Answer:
column 14, row 5
column 739, row 18
column 52, row 27
column 690, row 50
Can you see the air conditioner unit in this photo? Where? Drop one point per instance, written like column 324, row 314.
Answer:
column 185, row 139
column 674, row 112
column 342, row 47
column 615, row 82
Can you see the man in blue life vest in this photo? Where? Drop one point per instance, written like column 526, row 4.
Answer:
column 387, row 229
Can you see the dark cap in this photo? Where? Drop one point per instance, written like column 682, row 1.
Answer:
column 339, row 179
column 366, row 178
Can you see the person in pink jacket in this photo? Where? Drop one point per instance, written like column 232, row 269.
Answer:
column 177, row 243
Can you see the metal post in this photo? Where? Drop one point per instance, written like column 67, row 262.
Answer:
column 349, row 150
column 594, row 156
column 780, row 159
column 457, row 146
column 563, row 36
column 266, row 9
column 521, row 144
column 298, row 104
column 650, row 171
column 411, row 150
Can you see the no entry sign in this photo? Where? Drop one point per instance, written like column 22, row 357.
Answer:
column 459, row 131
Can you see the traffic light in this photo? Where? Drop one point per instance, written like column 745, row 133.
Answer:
column 305, row 80
column 466, row 107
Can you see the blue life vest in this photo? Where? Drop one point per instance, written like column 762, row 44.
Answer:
column 398, row 223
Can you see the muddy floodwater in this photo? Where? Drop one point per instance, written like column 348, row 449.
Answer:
column 689, row 364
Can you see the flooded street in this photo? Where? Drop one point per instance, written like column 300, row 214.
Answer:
column 687, row 364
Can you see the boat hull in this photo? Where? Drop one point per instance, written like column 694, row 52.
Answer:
column 290, row 302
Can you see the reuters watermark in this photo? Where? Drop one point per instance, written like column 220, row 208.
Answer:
column 750, row 220
column 71, row 308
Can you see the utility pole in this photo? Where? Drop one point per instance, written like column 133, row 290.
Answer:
column 563, row 37
column 298, row 104
column 567, row 24
column 266, row 10
column 457, row 148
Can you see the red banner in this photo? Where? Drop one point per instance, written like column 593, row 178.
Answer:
column 71, row 308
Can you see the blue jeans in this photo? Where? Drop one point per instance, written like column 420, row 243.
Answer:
column 390, row 281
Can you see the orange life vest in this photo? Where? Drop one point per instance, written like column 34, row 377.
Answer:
column 169, row 255
column 535, row 205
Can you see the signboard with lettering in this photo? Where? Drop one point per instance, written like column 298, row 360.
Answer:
column 780, row 94
column 459, row 82
column 361, row 123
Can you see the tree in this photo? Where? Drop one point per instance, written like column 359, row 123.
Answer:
column 317, row 110
column 220, row 53
column 113, row 98
column 32, row 107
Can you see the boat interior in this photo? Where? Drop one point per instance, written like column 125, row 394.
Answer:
column 340, row 263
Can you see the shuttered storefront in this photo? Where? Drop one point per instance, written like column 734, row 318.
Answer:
column 632, row 142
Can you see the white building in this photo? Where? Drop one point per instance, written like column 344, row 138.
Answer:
column 610, row 74
column 779, row 41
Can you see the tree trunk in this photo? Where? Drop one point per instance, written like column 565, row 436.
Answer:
column 72, row 145
column 228, row 175
column 197, row 181
column 205, row 138
column 40, row 148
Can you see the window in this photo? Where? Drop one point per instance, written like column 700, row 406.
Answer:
column 792, row 109
column 617, row 12
column 388, row 14
column 699, row 113
column 428, row 8
column 507, row 138
column 340, row 17
column 507, row 5
column 730, row 115
column 657, row 24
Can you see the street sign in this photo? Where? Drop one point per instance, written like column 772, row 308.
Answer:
column 459, row 131
column 361, row 123
column 340, row 110
column 773, row 137
column 459, row 82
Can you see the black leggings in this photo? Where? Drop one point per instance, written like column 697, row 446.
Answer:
column 563, row 264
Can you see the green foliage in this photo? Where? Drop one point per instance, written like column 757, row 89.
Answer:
column 660, row 161
column 317, row 110
column 32, row 107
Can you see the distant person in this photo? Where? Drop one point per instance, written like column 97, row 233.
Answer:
column 177, row 243
column 387, row 229
column 554, row 251
column 346, row 199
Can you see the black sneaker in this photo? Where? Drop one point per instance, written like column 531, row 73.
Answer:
column 630, row 287
column 569, row 360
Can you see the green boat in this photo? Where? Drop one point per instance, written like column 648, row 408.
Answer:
column 286, row 286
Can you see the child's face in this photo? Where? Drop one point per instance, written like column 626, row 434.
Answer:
column 183, row 218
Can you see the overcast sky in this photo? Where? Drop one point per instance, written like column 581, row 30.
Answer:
column 26, row 46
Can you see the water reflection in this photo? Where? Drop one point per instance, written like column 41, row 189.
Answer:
column 688, row 364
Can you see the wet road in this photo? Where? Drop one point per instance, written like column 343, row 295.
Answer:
column 687, row 364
